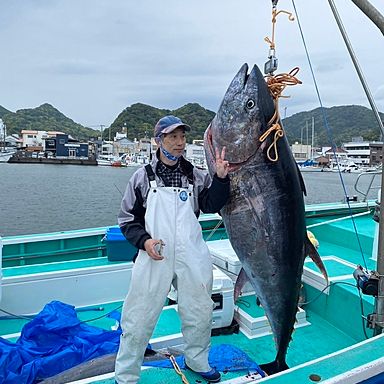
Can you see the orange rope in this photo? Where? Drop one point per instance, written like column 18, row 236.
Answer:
column 275, row 13
column 276, row 85
column 178, row 370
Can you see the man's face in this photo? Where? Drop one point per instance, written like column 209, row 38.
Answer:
column 174, row 142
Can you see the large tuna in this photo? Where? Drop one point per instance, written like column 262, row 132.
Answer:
column 264, row 216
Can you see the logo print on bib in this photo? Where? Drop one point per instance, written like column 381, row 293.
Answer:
column 183, row 196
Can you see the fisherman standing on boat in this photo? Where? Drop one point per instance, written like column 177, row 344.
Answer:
column 158, row 215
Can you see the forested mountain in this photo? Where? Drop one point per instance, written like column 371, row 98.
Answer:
column 44, row 118
column 3, row 111
column 139, row 119
column 344, row 122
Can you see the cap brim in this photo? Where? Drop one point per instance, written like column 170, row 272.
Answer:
column 174, row 126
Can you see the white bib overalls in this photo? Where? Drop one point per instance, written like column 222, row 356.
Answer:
column 187, row 264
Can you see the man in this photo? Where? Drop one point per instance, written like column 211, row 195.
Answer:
column 159, row 215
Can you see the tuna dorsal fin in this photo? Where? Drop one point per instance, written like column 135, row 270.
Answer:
column 311, row 251
column 301, row 180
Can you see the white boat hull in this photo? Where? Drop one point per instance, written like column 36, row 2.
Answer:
column 5, row 156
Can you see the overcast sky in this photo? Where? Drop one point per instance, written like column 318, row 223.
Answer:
column 92, row 58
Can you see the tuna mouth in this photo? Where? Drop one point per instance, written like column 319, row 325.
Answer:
column 232, row 166
column 246, row 75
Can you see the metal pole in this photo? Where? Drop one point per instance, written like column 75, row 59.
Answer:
column 301, row 141
column 379, row 302
column 371, row 12
column 378, row 317
column 357, row 66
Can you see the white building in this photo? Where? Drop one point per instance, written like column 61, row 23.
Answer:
column 358, row 151
column 301, row 152
column 107, row 148
column 32, row 138
column 36, row 139
column 124, row 145
column 337, row 155
column 195, row 154
column 13, row 141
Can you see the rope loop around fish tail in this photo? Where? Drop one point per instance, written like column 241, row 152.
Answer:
column 276, row 85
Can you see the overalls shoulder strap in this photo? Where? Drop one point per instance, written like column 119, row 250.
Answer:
column 151, row 175
column 187, row 168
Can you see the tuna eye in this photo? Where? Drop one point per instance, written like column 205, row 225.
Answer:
column 250, row 104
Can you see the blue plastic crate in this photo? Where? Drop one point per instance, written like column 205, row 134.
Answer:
column 118, row 247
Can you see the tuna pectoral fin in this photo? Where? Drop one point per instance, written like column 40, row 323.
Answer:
column 311, row 251
column 242, row 278
column 302, row 184
column 274, row 367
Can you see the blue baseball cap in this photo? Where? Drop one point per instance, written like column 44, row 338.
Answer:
column 168, row 124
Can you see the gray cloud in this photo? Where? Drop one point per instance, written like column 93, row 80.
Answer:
column 92, row 59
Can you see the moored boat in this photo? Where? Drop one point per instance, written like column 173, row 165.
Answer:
column 5, row 156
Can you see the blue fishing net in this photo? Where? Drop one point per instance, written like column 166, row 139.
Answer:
column 223, row 357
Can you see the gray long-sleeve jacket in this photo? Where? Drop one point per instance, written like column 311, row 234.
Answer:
column 210, row 195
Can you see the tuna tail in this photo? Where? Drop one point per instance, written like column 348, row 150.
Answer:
column 274, row 367
column 311, row 251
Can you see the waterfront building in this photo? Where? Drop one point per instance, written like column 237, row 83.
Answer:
column 12, row 141
column 195, row 153
column 332, row 154
column 301, row 152
column 358, row 151
column 107, row 148
column 144, row 150
column 375, row 153
column 122, row 145
column 68, row 147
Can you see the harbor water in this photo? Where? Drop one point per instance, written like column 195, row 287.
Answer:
column 41, row 198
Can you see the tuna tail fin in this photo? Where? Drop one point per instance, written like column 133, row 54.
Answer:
column 311, row 251
column 274, row 367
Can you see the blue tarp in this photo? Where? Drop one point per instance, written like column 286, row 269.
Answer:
column 308, row 163
column 223, row 357
column 56, row 340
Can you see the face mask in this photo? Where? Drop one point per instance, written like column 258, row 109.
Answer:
column 168, row 155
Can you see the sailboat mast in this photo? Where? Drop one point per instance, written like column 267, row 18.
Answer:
column 312, row 135
column 378, row 316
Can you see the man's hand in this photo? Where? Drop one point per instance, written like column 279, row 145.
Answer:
column 150, row 248
column 221, row 164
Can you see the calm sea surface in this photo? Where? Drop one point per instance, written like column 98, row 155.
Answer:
column 38, row 198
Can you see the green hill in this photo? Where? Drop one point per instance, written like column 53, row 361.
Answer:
column 140, row 119
column 3, row 111
column 44, row 118
column 344, row 122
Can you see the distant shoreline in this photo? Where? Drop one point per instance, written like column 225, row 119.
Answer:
column 32, row 160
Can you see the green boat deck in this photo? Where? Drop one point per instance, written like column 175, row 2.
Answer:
column 334, row 325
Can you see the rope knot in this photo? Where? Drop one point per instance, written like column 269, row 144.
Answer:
column 276, row 85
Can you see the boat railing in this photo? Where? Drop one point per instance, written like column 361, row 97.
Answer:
column 362, row 179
